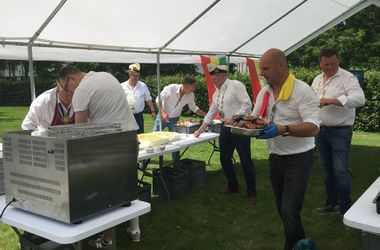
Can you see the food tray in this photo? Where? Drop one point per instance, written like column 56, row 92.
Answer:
column 187, row 129
column 246, row 131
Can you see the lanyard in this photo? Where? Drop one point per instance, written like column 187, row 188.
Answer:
column 220, row 104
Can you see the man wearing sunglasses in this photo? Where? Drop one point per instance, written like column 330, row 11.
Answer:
column 52, row 107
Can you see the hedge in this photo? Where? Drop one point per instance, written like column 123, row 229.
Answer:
column 17, row 93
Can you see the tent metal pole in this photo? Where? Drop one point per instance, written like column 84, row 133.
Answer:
column 30, row 44
column 31, row 73
column 159, row 90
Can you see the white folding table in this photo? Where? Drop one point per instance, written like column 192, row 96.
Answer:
column 185, row 142
column 64, row 233
column 362, row 215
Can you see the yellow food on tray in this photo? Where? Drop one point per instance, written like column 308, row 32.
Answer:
column 187, row 123
column 157, row 138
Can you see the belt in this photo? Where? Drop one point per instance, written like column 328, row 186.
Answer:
column 138, row 113
column 291, row 155
column 335, row 127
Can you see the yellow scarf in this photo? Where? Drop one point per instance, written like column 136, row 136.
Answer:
column 287, row 88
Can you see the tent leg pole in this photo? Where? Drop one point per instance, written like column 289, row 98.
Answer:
column 159, row 89
column 31, row 73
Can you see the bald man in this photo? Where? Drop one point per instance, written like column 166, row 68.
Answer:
column 292, row 116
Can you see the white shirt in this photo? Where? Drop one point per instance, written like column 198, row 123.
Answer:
column 302, row 106
column 344, row 86
column 41, row 111
column 172, row 104
column 232, row 99
column 101, row 95
column 137, row 95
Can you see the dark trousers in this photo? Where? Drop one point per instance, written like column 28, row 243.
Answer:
column 289, row 175
column 140, row 122
column 227, row 144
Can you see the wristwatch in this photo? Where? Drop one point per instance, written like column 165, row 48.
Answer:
column 287, row 131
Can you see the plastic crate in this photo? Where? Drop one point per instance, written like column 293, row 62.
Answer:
column 197, row 171
column 2, row 184
column 371, row 241
column 186, row 129
column 177, row 182
column 215, row 128
column 144, row 189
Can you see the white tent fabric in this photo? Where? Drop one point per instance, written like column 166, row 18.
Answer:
column 178, row 30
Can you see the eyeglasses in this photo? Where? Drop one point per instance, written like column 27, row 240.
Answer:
column 64, row 87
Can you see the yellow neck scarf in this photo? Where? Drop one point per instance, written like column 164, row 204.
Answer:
column 287, row 88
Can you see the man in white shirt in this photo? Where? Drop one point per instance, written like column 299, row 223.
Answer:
column 98, row 98
column 172, row 100
column 231, row 99
column 52, row 107
column 292, row 116
column 137, row 94
column 339, row 94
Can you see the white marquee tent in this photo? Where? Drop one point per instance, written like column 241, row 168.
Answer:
column 162, row 31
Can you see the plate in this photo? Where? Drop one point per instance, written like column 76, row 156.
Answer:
column 246, row 131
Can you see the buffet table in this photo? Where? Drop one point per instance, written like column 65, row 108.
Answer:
column 362, row 215
column 184, row 143
column 63, row 233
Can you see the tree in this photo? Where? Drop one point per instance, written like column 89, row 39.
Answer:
column 358, row 44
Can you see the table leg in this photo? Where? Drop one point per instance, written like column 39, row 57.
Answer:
column 79, row 245
column 114, row 238
column 214, row 148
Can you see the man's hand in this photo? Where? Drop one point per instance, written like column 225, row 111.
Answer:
column 197, row 133
column 154, row 115
column 165, row 116
column 329, row 101
column 269, row 131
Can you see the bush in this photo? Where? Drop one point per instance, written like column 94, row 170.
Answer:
column 368, row 117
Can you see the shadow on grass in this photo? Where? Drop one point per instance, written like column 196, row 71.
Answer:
column 205, row 219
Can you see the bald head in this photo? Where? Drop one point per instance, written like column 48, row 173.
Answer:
column 275, row 56
column 274, row 67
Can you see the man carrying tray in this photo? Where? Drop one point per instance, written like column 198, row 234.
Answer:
column 229, row 99
column 290, row 109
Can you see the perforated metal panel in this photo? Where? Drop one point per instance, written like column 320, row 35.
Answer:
column 68, row 177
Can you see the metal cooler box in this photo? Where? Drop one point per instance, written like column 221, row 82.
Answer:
column 71, row 172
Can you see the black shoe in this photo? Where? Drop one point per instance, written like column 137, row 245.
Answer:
column 329, row 209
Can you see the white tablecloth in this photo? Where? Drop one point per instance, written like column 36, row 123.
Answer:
column 362, row 215
column 70, row 233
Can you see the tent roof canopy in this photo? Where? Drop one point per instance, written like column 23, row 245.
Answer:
column 138, row 30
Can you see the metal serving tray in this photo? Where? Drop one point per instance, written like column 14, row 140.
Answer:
column 246, row 132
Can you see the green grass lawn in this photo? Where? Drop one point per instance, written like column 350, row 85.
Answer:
column 206, row 220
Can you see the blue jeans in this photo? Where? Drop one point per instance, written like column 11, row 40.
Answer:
column 334, row 148
column 170, row 126
column 227, row 144
column 288, row 176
